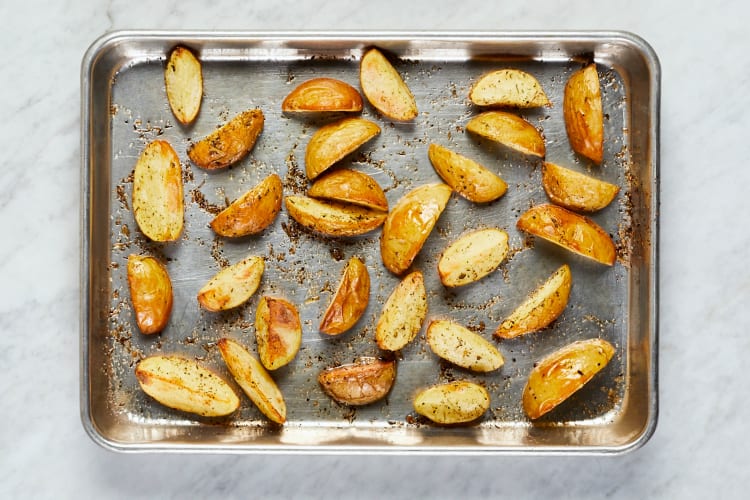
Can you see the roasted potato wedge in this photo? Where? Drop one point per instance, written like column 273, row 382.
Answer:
column 410, row 223
column 350, row 186
column 575, row 190
column 510, row 130
column 334, row 141
column 557, row 376
column 384, row 87
column 462, row 347
column 278, row 332
column 232, row 286
column 541, row 308
column 252, row 212
column 350, row 300
column 183, row 79
column 360, row 383
column 472, row 256
column 254, row 380
column 457, row 402
column 332, row 218
column 403, row 313
column 322, row 94
column 508, row 87
column 582, row 111
column 467, row 177
column 569, row 230
column 184, row 385
column 150, row 292
column 229, row 143
column 158, row 207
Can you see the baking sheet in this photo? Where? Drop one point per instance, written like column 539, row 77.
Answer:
column 125, row 107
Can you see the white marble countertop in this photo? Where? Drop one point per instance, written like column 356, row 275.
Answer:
column 698, row 449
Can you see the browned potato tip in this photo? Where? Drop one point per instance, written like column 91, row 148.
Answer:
column 508, row 87
column 569, row 230
column 278, row 332
column 350, row 186
column 334, row 141
column 467, row 177
column 582, row 110
column 410, row 223
column 255, row 381
column 360, row 383
column 384, row 87
column 350, row 300
column 252, row 212
column 184, row 385
column 510, row 130
column 151, row 293
column 232, row 286
column 472, row 256
column 557, row 376
column 541, row 308
column 229, row 143
column 462, row 347
column 332, row 218
column 157, row 192
column 576, row 191
column 322, row 94
column 457, row 402
column 403, row 313
column 183, row 80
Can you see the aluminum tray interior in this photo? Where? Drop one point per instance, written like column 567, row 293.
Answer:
column 124, row 107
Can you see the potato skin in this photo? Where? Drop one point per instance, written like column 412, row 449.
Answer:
column 183, row 80
column 334, row 141
column 582, row 111
column 384, row 87
column 349, row 186
column 409, row 224
column 252, row 212
column 456, row 402
column 278, row 332
column 510, row 130
column 467, row 177
column 332, row 218
column 403, row 313
column 472, row 256
column 232, row 286
column 508, row 87
column 184, row 385
column 322, row 94
column 350, row 300
column 360, row 383
column 150, row 292
column 158, row 206
column 230, row 143
column 462, row 347
column 576, row 191
column 560, row 374
column 569, row 230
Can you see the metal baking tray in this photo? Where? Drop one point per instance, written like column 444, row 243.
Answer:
column 124, row 107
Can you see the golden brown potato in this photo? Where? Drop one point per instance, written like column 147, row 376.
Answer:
column 510, row 130
column 453, row 403
column 183, row 80
column 232, row 286
column 252, row 212
column 508, row 87
column 472, row 256
column 184, row 385
column 410, row 223
column 571, row 231
column 322, row 94
column 403, row 313
column 384, row 87
column 540, row 308
column 229, row 143
column 360, row 383
column 254, row 380
column 557, row 376
column 582, row 111
column 350, row 186
column 158, row 207
column 334, row 141
column 278, row 332
column 151, row 293
column 463, row 347
column 575, row 190
column 332, row 218
column 467, row 177
column 350, row 300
